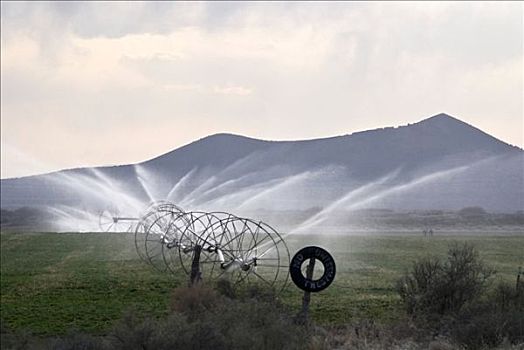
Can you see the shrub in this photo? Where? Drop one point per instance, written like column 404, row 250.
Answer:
column 509, row 297
column 194, row 301
column 366, row 335
column 418, row 288
column 75, row 340
column 253, row 319
column 225, row 287
column 483, row 325
column 13, row 340
column 132, row 332
column 173, row 332
column 497, row 318
column 201, row 318
column 451, row 298
column 436, row 287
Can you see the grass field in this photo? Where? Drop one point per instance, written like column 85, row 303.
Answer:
column 52, row 282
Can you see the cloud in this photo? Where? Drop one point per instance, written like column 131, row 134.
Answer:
column 121, row 82
column 232, row 90
column 91, row 19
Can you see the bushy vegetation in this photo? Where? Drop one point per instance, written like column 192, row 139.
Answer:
column 70, row 291
column 451, row 298
column 444, row 287
column 200, row 318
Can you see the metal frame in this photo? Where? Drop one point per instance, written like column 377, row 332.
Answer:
column 225, row 246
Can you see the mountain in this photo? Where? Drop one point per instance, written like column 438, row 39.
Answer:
column 438, row 163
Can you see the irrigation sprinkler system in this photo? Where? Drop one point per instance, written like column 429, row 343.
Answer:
column 214, row 245
column 211, row 245
column 110, row 219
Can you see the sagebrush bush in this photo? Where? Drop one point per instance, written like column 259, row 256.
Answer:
column 13, row 340
column 442, row 287
column 199, row 318
column 507, row 296
column 133, row 332
column 251, row 320
column 75, row 340
column 368, row 335
column 202, row 318
column 497, row 318
column 451, row 297
column 194, row 301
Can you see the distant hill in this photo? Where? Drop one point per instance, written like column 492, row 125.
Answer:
column 438, row 163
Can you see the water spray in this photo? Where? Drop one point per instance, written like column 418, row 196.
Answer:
column 220, row 245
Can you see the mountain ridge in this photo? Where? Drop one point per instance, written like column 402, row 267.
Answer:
column 437, row 163
column 445, row 124
column 437, row 120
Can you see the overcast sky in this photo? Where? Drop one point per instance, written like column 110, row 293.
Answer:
column 87, row 84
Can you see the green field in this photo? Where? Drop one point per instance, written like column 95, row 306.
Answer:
column 52, row 282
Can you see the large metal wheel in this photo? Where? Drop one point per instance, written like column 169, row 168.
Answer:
column 110, row 220
column 228, row 247
column 191, row 230
column 238, row 249
column 154, row 230
column 161, row 205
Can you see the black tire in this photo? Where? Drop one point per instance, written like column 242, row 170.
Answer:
column 315, row 285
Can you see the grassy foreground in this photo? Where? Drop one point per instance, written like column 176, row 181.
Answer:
column 53, row 282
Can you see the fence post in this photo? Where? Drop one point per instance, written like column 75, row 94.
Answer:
column 304, row 314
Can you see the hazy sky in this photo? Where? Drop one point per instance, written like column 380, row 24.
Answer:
column 112, row 83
